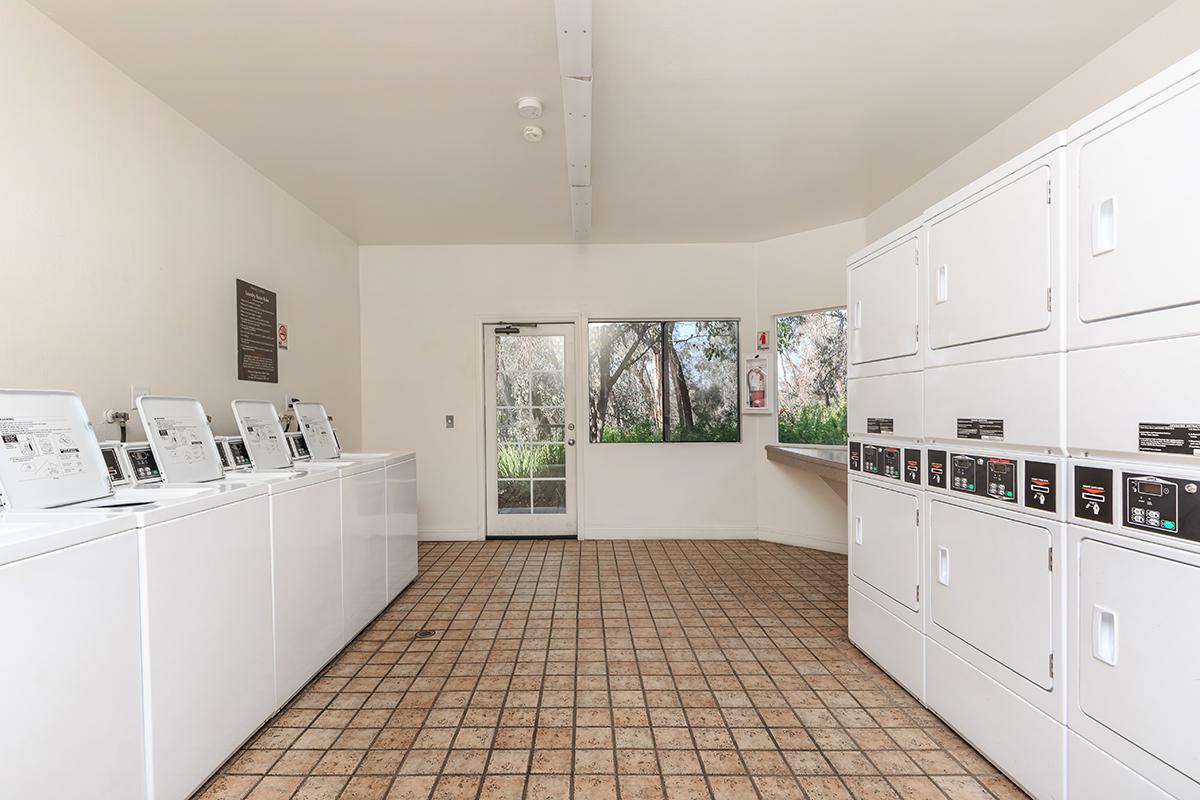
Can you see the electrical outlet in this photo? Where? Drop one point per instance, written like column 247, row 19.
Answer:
column 135, row 391
column 289, row 400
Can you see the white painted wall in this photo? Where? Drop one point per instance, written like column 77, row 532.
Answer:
column 422, row 312
column 1147, row 50
column 122, row 229
column 802, row 272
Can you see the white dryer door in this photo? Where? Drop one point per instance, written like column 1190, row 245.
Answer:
column 990, row 265
column 1139, row 199
column 883, row 304
column 885, row 541
column 1139, row 651
column 990, row 586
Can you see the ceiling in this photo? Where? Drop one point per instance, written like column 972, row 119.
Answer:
column 713, row 120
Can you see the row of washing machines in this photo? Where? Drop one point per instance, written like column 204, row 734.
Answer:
column 160, row 600
column 1024, row 501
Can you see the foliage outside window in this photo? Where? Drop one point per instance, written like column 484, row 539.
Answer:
column 673, row 381
column 811, row 370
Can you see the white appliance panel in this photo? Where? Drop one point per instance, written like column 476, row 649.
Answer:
column 206, row 640
column 1139, row 655
column 70, row 681
column 991, row 586
column 885, row 541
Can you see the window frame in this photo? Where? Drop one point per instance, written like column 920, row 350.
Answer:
column 665, row 377
column 775, row 371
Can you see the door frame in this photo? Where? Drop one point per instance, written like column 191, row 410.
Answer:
column 482, row 325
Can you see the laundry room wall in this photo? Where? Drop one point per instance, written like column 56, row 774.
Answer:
column 122, row 230
column 422, row 315
column 1147, row 50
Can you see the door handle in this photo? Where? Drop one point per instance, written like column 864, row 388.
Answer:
column 858, row 315
column 858, row 530
column 943, row 283
column 570, row 442
column 1104, row 635
column 944, row 566
column 1104, row 226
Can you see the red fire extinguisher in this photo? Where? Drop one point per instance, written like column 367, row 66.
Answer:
column 756, row 381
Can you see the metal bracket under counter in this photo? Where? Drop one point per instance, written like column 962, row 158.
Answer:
column 827, row 461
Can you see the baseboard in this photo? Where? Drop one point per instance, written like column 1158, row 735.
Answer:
column 668, row 533
column 449, row 535
column 778, row 537
column 804, row 540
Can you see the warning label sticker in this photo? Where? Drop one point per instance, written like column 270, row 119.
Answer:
column 880, row 425
column 1178, row 437
column 41, row 448
column 991, row 430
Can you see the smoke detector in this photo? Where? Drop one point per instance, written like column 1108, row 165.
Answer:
column 529, row 107
column 532, row 133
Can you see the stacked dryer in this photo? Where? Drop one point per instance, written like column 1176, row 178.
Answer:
column 994, row 385
column 885, row 427
column 1133, row 432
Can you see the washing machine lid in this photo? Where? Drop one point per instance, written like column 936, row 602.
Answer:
column 317, row 430
column 262, row 433
column 49, row 455
column 183, row 443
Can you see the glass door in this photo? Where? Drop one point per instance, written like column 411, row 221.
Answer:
column 530, row 429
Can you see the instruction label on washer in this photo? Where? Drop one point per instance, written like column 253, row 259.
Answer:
column 41, row 448
column 262, row 437
column 318, row 433
column 881, row 425
column 1177, row 437
column 991, row 430
column 180, row 440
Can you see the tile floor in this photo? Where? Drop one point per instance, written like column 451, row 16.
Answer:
column 598, row 670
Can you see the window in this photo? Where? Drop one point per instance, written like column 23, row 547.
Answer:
column 811, row 371
column 693, row 364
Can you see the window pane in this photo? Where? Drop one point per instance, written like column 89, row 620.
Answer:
column 702, row 360
column 811, row 370
column 624, row 387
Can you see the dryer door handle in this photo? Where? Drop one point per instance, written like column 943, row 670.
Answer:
column 1104, row 635
column 944, row 566
column 1104, row 226
column 858, row 530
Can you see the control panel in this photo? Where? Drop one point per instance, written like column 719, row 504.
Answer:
column 964, row 473
column 1002, row 479
column 112, row 462
column 1162, row 505
column 142, row 463
column 936, row 476
column 880, row 460
column 239, row 456
column 223, row 453
column 1093, row 494
column 856, row 456
column 912, row 465
column 298, row 447
column 984, row 476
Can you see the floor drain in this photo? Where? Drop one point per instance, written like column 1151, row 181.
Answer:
column 424, row 634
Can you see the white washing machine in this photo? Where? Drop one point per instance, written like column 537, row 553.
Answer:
column 70, row 680
column 995, row 612
column 1134, row 572
column 204, row 567
column 886, row 558
column 1134, row 333
column 305, row 520
column 362, row 486
column 317, row 437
